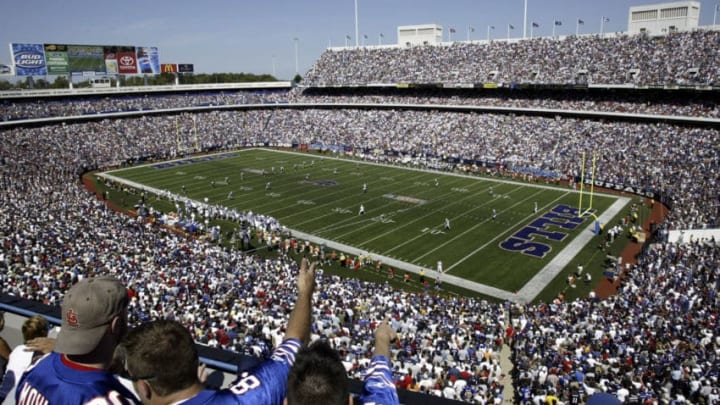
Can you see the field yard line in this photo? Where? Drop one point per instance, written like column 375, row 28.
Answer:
column 490, row 241
column 331, row 228
column 542, row 278
column 350, row 221
column 342, row 223
column 436, row 226
column 344, row 196
column 444, row 173
column 419, row 218
column 510, row 229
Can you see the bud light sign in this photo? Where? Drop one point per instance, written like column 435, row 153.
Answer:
column 29, row 59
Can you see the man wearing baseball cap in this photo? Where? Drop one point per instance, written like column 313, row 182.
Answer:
column 94, row 319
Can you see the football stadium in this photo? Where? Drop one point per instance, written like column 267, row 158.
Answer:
column 534, row 232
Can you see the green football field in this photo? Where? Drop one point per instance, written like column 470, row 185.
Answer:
column 405, row 210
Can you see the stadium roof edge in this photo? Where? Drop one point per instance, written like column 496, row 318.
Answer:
column 125, row 90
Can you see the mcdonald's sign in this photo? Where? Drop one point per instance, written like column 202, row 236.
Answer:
column 168, row 68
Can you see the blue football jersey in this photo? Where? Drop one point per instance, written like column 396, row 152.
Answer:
column 56, row 380
column 379, row 387
column 264, row 384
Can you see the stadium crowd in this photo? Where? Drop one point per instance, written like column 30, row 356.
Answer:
column 63, row 107
column 649, row 104
column 594, row 59
column 657, row 338
column 54, row 231
column 517, row 99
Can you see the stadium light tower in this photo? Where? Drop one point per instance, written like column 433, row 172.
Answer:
column 297, row 68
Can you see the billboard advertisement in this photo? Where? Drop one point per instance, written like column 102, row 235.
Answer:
column 56, row 59
column 86, row 60
column 5, row 70
column 111, row 63
column 186, row 68
column 28, row 59
column 127, row 63
column 148, row 59
column 120, row 60
column 168, row 68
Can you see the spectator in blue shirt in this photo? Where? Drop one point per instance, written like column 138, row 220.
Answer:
column 319, row 377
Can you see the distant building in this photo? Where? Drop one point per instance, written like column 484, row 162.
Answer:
column 424, row 34
column 663, row 18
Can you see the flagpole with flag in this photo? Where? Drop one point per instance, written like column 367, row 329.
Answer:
column 363, row 40
column 509, row 27
column 532, row 28
column 347, row 38
column 490, row 27
column 603, row 20
column 556, row 23
column 450, row 32
column 470, row 29
column 380, row 37
column 577, row 26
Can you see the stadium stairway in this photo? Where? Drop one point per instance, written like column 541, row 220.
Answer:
column 506, row 366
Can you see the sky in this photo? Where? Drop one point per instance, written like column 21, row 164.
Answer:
column 259, row 36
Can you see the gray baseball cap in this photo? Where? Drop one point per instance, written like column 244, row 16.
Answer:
column 88, row 308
